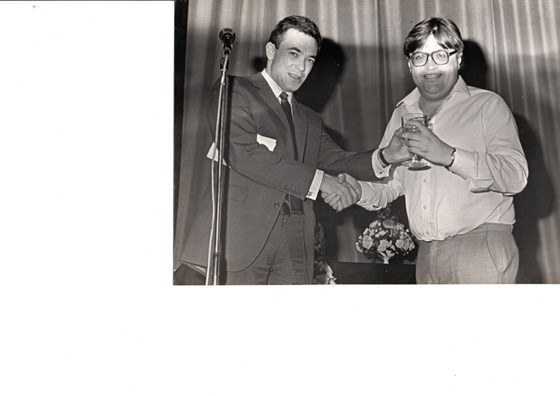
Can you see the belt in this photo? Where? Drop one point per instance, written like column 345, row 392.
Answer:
column 486, row 227
column 493, row 227
column 292, row 206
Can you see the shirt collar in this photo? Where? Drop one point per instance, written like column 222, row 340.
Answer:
column 275, row 87
column 412, row 98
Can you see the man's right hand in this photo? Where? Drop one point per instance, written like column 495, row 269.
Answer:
column 340, row 194
column 334, row 200
column 396, row 151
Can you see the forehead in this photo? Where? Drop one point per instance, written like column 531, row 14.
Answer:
column 295, row 39
column 430, row 45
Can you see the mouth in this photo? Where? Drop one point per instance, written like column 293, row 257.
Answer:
column 296, row 77
column 432, row 76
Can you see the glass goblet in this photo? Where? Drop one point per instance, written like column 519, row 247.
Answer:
column 416, row 162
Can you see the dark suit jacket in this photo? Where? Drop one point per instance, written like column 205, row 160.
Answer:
column 259, row 179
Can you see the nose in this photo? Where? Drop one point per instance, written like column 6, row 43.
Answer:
column 300, row 64
column 431, row 64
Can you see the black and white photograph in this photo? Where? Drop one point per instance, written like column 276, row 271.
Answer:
column 344, row 190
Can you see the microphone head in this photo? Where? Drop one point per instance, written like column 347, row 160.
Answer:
column 227, row 34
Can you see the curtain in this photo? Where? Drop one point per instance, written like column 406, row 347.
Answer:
column 511, row 48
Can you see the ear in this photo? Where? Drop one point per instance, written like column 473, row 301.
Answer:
column 459, row 60
column 409, row 63
column 270, row 51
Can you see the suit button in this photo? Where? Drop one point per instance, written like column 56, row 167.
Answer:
column 276, row 204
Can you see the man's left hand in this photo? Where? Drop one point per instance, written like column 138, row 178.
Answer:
column 425, row 143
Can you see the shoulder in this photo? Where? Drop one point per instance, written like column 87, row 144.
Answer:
column 487, row 97
column 308, row 112
column 490, row 105
column 239, row 83
column 314, row 119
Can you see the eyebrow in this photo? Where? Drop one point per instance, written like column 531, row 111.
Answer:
column 299, row 51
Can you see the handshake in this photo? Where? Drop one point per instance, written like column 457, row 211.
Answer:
column 340, row 192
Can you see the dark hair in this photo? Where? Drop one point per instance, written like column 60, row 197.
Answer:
column 445, row 32
column 297, row 22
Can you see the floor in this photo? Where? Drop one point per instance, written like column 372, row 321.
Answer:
column 345, row 273
column 373, row 273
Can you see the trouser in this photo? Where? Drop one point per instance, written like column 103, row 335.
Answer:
column 487, row 254
column 282, row 261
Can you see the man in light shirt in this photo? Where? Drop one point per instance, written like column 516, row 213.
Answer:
column 461, row 207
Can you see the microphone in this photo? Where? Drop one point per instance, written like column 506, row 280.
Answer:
column 227, row 36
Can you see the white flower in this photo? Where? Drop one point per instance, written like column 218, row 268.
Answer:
column 384, row 245
column 367, row 242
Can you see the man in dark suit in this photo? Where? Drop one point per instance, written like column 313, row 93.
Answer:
column 278, row 155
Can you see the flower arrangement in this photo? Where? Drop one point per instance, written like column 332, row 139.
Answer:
column 385, row 238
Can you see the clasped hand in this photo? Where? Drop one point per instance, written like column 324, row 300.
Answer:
column 340, row 192
column 425, row 143
column 396, row 151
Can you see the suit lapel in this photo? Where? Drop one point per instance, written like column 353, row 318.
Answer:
column 272, row 102
column 269, row 98
column 300, row 120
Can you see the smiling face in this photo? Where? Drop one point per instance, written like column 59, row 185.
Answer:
column 290, row 63
column 435, row 81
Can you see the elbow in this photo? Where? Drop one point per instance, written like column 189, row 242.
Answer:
column 518, row 185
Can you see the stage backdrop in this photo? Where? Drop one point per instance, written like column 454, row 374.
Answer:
column 512, row 48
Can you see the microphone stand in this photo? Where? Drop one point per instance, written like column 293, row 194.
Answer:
column 214, row 254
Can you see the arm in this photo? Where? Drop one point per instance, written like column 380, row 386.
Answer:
column 334, row 160
column 372, row 195
column 250, row 116
column 502, row 167
column 396, row 150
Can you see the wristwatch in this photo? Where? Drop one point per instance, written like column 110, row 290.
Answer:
column 382, row 158
column 452, row 158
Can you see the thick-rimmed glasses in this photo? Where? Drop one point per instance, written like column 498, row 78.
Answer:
column 440, row 57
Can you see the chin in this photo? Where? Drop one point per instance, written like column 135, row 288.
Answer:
column 294, row 88
column 434, row 95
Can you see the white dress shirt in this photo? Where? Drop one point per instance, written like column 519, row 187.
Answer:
column 489, row 167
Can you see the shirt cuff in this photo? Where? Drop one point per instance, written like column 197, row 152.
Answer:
column 368, row 195
column 315, row 184
column 464, row 164
column 378, row 168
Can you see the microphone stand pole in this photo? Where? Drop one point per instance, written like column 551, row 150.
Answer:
column 215, row 258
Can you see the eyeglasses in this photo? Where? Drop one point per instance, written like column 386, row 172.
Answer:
column 440, row 57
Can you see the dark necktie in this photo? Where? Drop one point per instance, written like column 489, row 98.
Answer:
column 288, row 112
column 295, row 203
